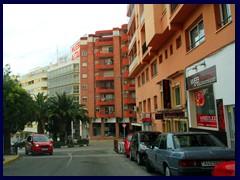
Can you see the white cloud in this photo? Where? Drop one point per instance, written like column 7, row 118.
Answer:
column 32, row 32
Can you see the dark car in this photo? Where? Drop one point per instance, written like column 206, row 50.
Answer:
column 140, row 142
column 38, row 144
column 226, row 168
column 192, row 153
column 127, row 143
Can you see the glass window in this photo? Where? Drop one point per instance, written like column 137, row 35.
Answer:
column 177, row 95
column 197, row 35
column 84, row 53
column 109, row 129
column 154, row 68
column 205, row 107
column 225, row 13
column 163, row 142
column 97, row 129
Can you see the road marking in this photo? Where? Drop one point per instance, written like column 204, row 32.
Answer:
column 69, row 161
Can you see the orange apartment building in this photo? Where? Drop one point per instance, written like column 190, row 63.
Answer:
column 182, row 57
column 105, row 88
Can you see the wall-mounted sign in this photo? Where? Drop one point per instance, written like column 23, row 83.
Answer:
column 75, row 51
column 220, row 114
column 204, row 77
column 166, row 94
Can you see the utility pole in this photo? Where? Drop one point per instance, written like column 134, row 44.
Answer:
column 122, row 92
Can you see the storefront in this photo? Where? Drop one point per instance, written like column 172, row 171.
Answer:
column 210, row 86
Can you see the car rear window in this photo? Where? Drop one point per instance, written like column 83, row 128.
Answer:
column 195, row 140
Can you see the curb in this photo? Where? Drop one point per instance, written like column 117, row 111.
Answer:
column 6, row 162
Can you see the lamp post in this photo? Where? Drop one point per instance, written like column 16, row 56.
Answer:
column 124, row 125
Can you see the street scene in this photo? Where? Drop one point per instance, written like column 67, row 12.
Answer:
column 97, row 159
column 147, row 92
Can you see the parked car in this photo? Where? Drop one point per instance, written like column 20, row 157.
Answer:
column 127, row 143
column 192, row 153
column 140, row 142
column 226, row 168
column 38, row 144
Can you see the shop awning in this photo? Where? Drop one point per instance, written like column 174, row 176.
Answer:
column 136, row 124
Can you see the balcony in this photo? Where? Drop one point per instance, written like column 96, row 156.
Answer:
column 104, row 66
column 129, row 87
column 129, row 114
column 135, row 67
column 124, row 49
column 104, row 115
column 133, row 40
column 147, row 54
column 126, row 74
column 129, row 101
column 104, row 90
column 101, row 78
column 103, row 43
column 125, row 62
column 105, row 102
column 181, row 12
column 104, row 54
column 125, row 37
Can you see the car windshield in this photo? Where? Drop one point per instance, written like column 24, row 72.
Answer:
column 195, row 140
column 148, row 137
column 41, row 139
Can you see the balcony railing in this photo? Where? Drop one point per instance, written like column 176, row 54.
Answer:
column 104, row 90
column 106, row 102
column 101, row 78
column 132, row 41
column 125, row 62
column 129, row 114
column 133, row 64
column 124, row 49
column 103, row 43
column 105, row 115
column 104, row 54
column 129, row 87
column 129, row 101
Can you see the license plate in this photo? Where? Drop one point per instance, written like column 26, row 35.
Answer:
column 45, row 149
column 210, row 163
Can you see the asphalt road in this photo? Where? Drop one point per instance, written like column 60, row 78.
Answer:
column 98, row 159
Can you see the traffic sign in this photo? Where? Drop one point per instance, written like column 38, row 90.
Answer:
column 124, row 125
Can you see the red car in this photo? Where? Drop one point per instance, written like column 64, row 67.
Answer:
column 127, row 142
column 224, row 169
column 38, row 144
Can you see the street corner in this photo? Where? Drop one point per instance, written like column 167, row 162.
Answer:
column 9, row 159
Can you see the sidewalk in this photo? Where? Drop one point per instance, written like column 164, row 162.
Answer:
column 7, row 159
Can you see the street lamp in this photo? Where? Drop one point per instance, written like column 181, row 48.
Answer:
column 124, row 125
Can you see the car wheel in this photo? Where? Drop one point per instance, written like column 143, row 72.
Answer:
column 167, row 171
column 139, row 160
column 149, row 168
column 130, row 156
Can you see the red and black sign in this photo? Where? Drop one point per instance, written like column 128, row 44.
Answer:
column 166, row 94
column 220, row 114
column 204, row 77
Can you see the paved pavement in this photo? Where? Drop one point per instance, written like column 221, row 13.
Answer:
column 10, row 158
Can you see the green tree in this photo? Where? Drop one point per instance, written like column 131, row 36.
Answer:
column 18, row 107
column 63, row 110
column 41, row 107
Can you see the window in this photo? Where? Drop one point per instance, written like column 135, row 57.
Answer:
column 143, row 78
column 139, row 81
column 177, row 95
column 163, row 142
column 178, row 42
column 84, row 98
column 160, row 59
column 222, row 15
column 149, row 105
column 110, row 49
column 173, row 7
column 171, row 49
column 147, row 74
column 84, row 53
column 155, row 103
column 166, row 54
column 196, row 35
column 154, row 69
column 84, row 64
column 84, row 75
column 75, row 89
column 85, row 86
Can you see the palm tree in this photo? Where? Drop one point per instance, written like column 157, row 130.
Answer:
column 63, row 110
column 41, row 108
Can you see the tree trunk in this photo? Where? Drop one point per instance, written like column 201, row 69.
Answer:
column 7, row 142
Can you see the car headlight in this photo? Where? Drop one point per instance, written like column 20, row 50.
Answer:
column 36, row 145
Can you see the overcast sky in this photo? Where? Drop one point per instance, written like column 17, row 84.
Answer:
column 32, row 33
